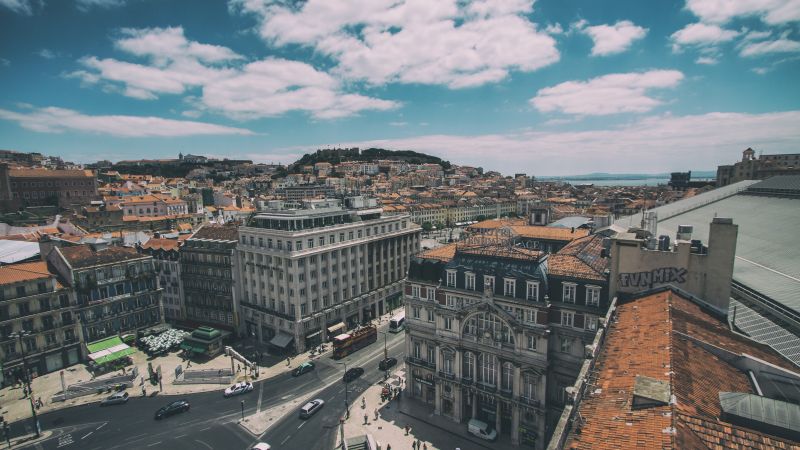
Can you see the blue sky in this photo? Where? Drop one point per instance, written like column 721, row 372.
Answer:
column 550, row 87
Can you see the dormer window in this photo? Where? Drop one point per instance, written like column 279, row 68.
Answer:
column 509, row 287
column 451, row 278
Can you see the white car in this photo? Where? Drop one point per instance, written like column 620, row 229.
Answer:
column 261, row 446
column 239, row 388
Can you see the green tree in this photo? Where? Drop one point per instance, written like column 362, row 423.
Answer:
column 427, row 226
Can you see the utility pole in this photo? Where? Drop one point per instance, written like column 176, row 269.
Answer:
column 19, row 335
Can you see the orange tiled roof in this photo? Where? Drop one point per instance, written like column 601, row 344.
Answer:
column 46, row 173
column 580, row 259
column 551, row 233
column 443, row 253
column 162, row 244
column 84, row 256
column 647, row 339
column 16, row 273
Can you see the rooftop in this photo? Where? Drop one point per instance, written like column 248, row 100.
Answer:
column 81, row 256
column 580, row 259
column 217, row 232
column 42, row 173
column 669, row 339
column 18, row 273
column 162, row 244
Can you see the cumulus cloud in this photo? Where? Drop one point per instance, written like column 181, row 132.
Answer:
column 701, row 34
column 672, row 143
column 612, row 39
column 707, row 60
column 772, row 12
column 752, row 47
column 175, row 65
column 274, row 86
column 23, row 7
column 58, row 120
column 86, row 5
column 452, row 43
column 608, row 94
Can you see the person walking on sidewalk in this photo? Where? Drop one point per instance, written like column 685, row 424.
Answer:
column 406, row 430
column 376, row 413
column 414, row 445
column 366, row 419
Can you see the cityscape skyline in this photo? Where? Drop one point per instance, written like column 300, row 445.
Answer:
column 557, row 88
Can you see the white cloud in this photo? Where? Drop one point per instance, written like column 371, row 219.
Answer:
column 164, row 45
column 701, row 34
column 46, row 53
column 398, row 124
column 652, row 144
column 24, row 7
column 706, row 60
column 58, row 120
column 772, row 12
column 612, row 39
column 272, row 87
column 448, row 42
column 608, row 94
column 4, row 62
column 86, row 5
column 780, row 45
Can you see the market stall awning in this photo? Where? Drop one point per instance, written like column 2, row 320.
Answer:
column 104, row 344
column 111, row 354
column 281, row 340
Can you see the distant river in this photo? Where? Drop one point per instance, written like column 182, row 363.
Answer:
column 619, row 182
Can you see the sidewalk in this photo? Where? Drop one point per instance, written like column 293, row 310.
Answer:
column 433, row 431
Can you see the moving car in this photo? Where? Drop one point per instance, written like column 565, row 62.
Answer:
column 352, row 374
column 311, row 407
column 261, row 446
column 387, row 363
column 303, row 368
column 481, row 429
column 239, row 388
column 116, row 398
column 175, row 407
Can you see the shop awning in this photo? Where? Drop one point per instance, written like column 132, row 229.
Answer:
column 111, row 354
column 281, row 340
column 333, row 329
column 189, row 347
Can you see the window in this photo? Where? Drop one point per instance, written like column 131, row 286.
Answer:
column 592, row 295
column 567, row 318
column 532, row 341
column 469, row 365
column 590, row 323
column 529, row 386
column 530, row 315
column 415, row 291
column 507, row 377
column 451, row 278
column 430, row 314
column 448, row 323
column 566, row 345
column 469, row 281
column 450, row 301
column 488, row 369
column 417, row 350
column 509, row 287
column 569, row 292
column 431, row 354
column 448, row 365
column 415, row 312
column 532, row 291
column 488, row 282
column 431, row 294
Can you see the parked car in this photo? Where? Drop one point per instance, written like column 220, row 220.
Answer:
column 481, row 429
column 175, row 407
column 311, row 407
column 352, row 374
column 238, row 389
column 261, row 446
column 116, row 398
column 387, row 363
column 303, row 368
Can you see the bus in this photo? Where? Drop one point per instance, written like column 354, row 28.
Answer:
column 398, row 322
column 347, row 343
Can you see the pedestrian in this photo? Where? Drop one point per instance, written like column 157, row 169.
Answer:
column 388, row 446
column 424, row 446
column 24, row 391
column 366, row 418
column 406, row 430
column 414, row 445
column 376, row 413
column 188, row 364
column 144, row 391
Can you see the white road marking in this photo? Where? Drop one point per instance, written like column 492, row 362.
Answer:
column 286, row 439
column 260, row 396
column 301, row 425
column 101, row 426
column 87, row 434
column 65, row 440
column 206, row 445
column 204, row 429
column 180, row 436
column 154, row 443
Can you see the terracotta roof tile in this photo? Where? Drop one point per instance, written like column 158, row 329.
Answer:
column 580, row 259
column 85, row 256
column 16, row 273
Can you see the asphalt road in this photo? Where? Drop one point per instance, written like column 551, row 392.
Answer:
column 212, row 420
column 319, row 431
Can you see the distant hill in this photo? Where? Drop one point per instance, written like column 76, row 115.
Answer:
column 336, row 156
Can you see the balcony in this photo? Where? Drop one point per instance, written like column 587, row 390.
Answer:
column 489, row 388
column 447, row 376
column 420, row 362
column 530, row 401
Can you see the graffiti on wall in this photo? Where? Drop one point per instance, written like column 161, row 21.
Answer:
column 663, row 275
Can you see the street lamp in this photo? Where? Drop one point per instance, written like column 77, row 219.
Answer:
column 19, row 335
column 385, row 355
column 346, row 388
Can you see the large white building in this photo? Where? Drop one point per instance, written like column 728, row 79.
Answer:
column 313, row 268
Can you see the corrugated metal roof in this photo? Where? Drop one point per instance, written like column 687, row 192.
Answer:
column 14, row 251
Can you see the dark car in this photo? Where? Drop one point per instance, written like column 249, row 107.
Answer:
column 303, row 368
column 387, row 363
column 352, row 374
column 175, row 407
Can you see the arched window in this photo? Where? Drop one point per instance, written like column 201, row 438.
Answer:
column 469, row 365
column 488, row 369
column 508, row 376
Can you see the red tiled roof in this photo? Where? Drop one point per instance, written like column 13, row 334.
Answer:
column 46, row 173
column 16, row 273
column 580, row 259
column 84, row 256
column 648, row 338
column 162, row 244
